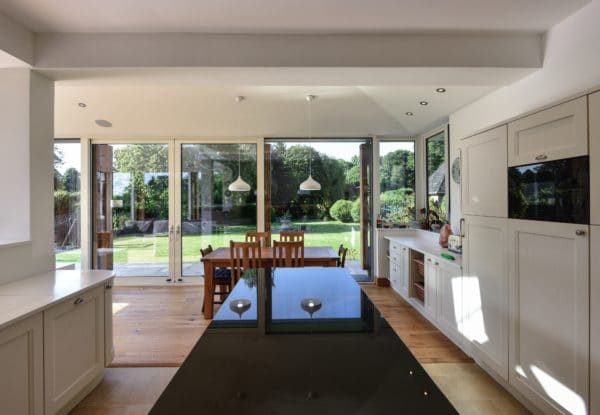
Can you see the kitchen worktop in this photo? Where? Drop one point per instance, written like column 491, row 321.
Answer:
column 19, row 299
column 424, row 242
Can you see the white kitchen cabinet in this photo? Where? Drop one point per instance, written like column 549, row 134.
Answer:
column 21, row 367
column 449, row 294
column 549, row 328
column 399, row 271
column 431, row 284
column 595, row 159
column 555, row 133
column 484, row 178
column 73, row 347
column 485, row 291
column 595, row 320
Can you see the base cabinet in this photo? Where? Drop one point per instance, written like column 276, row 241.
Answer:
column 399, row 271
column 449, row 294
column 485, row 291
column 549, row 330
column 431, row 287
column 21, row 367
column 73, row 347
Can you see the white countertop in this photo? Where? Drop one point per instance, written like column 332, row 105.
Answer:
column 425, row 243
column 19, row 299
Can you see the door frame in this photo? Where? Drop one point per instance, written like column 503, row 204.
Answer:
column 174, row 170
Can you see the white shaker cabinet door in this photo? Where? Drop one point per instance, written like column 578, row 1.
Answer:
column 449, row 293
column 21, row 367
column 404, row 270
column 595, row 320
column 555, row 133
column 549, row 331
column 595, row 158
column 485, row 291
column 484, row 174
column 73, row 347
column 431, row 281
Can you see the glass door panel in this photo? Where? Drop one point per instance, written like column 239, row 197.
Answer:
column 210, row 212
column 130, row 209
column 339, row 213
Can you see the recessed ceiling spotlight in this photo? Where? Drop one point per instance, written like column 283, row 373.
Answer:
column 82, row 104
column 424, row 103
column 441, row 90
column 410, row 114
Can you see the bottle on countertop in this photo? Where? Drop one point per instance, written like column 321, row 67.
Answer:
column 445, row 232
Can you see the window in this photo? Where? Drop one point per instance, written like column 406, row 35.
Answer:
column 437, row 172
column 397, row 182
column 67, row 184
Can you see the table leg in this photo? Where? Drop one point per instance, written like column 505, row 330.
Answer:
column 208, row 289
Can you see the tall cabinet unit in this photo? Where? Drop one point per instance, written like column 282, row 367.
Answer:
column 485, row 291
column 549, row 332
column 484, row 191
column 594, row 113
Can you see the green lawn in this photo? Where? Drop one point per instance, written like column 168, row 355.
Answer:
column 152, row 249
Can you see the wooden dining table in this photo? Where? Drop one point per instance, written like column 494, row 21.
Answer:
column 314, row 256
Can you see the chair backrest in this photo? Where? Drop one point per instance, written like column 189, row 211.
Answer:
column 288, row 254
column 244, row 255
column 206, row 251
column 342, row 259
column 291, row 236
column 264, row 238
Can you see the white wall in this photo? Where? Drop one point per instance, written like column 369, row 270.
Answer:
column 571, row 66
column 33, row 131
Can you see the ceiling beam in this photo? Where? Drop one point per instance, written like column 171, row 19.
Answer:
column 293, row 51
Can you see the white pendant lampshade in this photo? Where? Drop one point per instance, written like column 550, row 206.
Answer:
column 310, row 184
column 239, row 185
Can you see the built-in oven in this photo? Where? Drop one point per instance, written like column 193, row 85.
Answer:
column 556, row 191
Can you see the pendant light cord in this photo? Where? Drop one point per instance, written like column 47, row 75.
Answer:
column 310, row 136
column 239, row 159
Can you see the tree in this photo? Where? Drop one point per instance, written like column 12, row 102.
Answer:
column 397, row 170
column 70, row 180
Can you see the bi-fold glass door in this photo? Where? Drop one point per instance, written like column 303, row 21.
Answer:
column 155, row 204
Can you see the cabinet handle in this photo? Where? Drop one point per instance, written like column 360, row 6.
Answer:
column 580, row 232
column 78, row 301
column 108, row 287
column 437, row 263
column 460, row 227
column 541, row 157
column 428, row 259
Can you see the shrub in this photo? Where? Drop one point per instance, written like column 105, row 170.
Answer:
column 356, row 210
column 341, row 211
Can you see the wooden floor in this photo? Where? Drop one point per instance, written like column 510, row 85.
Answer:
column 157, row 326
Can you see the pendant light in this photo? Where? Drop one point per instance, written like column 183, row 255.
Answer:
column 310, row 184
column 239, row 185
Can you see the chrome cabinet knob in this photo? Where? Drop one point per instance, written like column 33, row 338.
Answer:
column 541, row 157
column 580, row 232
column 78, row 301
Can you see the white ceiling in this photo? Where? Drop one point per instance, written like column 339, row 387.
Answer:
column 211, row 111
column 288, row 16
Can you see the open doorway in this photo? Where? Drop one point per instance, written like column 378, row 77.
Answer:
column 337, row 214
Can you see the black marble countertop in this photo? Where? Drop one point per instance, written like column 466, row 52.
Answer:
column 298, row 341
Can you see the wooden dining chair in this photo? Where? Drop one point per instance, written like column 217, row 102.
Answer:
column 342, row 252
column 221, row 278
column 244, row 255
column 288, row 254
column 263, row 237
column 291, row 236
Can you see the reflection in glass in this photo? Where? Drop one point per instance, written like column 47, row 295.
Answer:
column 437, row 171
column 210, row 212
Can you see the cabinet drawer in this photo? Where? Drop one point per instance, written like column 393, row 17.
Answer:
column 395, row 276
column 556, row 133
column 73, row 347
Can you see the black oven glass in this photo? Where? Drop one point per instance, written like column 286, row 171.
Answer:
column 556, row 191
